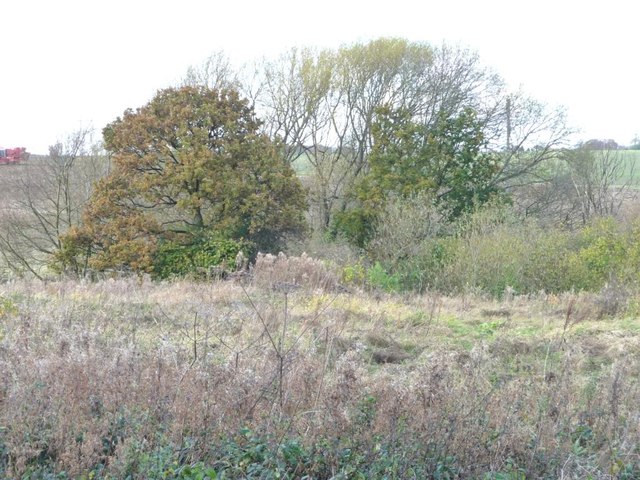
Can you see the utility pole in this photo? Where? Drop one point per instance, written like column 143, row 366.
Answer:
column 508, row 112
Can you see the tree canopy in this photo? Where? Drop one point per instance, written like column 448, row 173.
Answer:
column 323, row 104
column 190, row 163
column 447, row 159
column 446, row 162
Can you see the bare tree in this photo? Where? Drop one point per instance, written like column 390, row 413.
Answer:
column 48, row 195
column 600, row 184
column 527, row 133
column 578, row 185
column 295, row 99
column 215, row 72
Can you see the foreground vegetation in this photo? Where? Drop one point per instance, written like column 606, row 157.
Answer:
column 255, row 378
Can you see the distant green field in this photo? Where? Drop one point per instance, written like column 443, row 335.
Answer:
column 302, row 165
column 631, row 160
column 630, row 171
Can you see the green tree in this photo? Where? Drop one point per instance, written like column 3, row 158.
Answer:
column 447, row 161
column 189, row 164
column 323, row 104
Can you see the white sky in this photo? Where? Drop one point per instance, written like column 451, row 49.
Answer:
column 67, row 64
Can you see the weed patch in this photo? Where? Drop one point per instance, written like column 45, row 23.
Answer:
column 128, row 379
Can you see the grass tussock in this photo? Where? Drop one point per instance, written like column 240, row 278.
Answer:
column 122, row 379
column 293, row 271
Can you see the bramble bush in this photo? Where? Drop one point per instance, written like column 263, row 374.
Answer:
column 491, row 250
column 199, row 258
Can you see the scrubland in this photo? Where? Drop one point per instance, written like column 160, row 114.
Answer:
column 284, row 373
column 469, row 308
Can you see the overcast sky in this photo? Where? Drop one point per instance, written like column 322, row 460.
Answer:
column 68, row 64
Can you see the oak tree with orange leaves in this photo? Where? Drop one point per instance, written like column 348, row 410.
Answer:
column 190, row 163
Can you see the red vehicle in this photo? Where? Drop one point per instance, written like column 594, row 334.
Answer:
column 13, row 155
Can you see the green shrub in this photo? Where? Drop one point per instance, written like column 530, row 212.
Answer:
column 357, row 226
column 602, row 253
column 488, row 252
column 198, row 259
column 7, row 307
column 426, row 268
column 493, row 251
column 377, row 277
column 354, row 274
column 546, row 266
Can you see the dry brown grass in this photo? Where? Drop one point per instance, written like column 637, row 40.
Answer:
column 293, row 271
column 92, row 373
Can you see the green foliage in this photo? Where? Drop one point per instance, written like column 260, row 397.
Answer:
column 522, row 257
column 72, row 256
column 377, row 277
column 373, row 277
column 164, row 461
column 254, row 456
column 354, row 274
column 356, row 455
column 494, row 251
column 197, row 471
column 603, row 254
column 199, row 258
column 356, row 225
column 7, row 307
column 629, row 471
column 445, row 161
column 511, row 472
